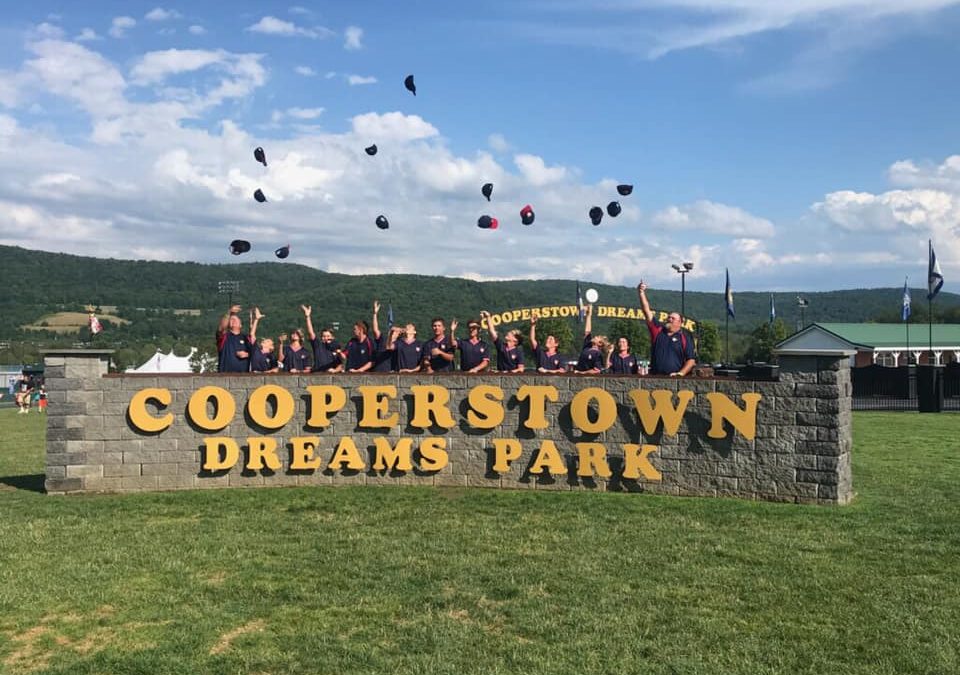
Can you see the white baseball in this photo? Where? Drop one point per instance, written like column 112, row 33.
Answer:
column 591, row 295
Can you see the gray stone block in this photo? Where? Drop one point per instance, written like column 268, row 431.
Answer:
column 120, row 470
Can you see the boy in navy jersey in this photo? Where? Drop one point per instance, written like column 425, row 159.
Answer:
column 407, row 348
column 438, row 350
column 620, row 361
column 262, row 360
column 591, row 357
column 549, row 359
column 326, row 352
column 233, row 348
column 474, row 352
column 358, row 354
column 509, row 353
column 383, row 359
column 293, row 358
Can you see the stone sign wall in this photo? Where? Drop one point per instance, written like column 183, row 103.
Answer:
column 785, row 441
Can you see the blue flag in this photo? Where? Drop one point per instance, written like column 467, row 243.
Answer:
column 773, row 310
column 728, row 294
column 905, row 308
column 934, row 275
column 581, row 310
column 390, row 316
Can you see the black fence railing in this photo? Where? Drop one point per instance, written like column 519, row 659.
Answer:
column 882, row 388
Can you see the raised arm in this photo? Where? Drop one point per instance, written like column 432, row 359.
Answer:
column 395, row 332
column 644, row 303
column 588, row 326
column 533, row 333
column 374, row 324
column 282, row 338
column 255, row 317
column 485, row 315
column 225, row 319
column 307, row 310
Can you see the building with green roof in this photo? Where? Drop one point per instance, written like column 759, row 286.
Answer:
column 887, row 344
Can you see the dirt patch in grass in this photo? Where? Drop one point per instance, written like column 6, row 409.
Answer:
column 223, row 644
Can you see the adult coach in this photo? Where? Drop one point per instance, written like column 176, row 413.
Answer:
column 671, row 349
column 233, row 348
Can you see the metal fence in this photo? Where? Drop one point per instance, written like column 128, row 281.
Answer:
column 882, row 388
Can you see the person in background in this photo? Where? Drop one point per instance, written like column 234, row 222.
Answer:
column 549, row 359
column 293, row 358
column 438, row 351
column 233, row 348
column 22, row 396
column 671, row 351
column 620, row 361
column 326, row 350
column 42, row 399
column 474, row 352
column 383, row 358
column 509, row 353
column 407, row 348
column 591, row 356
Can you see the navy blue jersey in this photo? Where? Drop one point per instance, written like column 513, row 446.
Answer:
column 548, row 361
column 325, row 356
column 590, row 357
column 624, row 365
column 261, row 363
column 438, row 363
column 472, row 354
column 383, row 359
column 359, row 353
column 409, row 355
column 295, row 359
column 668, row 352
column 508, row 360
column 228, row 344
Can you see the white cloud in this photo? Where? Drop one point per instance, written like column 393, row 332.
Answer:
column 47, row 30
column 299, row 9
column 303, row 114
column 498, row 143
column 352, row 38
column 161, row 14
column 156, row 66
column 918, row 210
column 120, row 25
column 271, row 25
column 87, row 35
column 535, row 170
column 306, row 71
column 355, row 80
column 707, row 216
column 393, row 126
column 197, row 29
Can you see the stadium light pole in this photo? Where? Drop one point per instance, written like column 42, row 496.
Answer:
column 683, row 269
column 802, row 303
column 228, row 287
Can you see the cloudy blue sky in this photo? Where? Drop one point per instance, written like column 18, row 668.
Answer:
column 806, row 145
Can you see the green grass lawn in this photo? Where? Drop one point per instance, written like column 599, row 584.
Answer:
column 409, row 580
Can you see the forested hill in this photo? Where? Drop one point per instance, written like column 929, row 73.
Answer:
column 37, row 285
column 34, row 280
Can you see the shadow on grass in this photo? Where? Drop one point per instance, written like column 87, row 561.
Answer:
column 32, row 482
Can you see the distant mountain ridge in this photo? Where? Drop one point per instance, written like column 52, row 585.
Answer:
column 38, row 282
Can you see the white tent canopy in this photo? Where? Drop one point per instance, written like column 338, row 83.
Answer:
column 165, row 363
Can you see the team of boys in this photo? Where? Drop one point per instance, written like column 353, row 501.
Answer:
column 672, row 350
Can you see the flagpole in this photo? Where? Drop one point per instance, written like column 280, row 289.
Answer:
column 726, row 330
column 930, row 326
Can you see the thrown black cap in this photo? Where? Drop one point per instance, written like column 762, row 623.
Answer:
column 372, row 150
column 487, row 190
column 596, row 215
column 408, row 83
column 487, row 223
column 259, row 196
column 613, row 209
column 625, row 190
column 382, row 222
column 282, row 252
column 527, row 215
column 260, row 156
column 238, row 246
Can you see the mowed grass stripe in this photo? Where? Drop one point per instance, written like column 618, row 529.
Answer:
column 417, row 580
